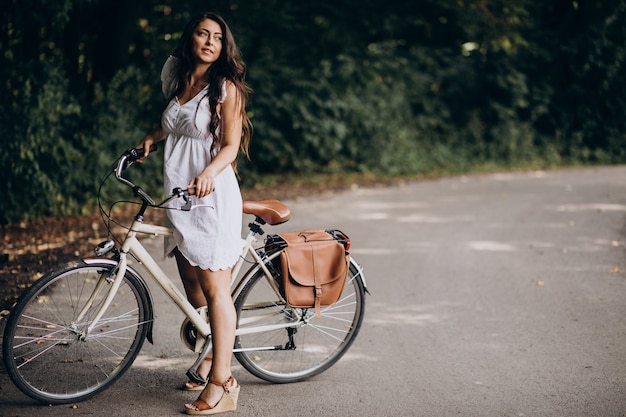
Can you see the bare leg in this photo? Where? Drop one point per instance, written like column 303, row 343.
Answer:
column 188, row 276
column 196, row 297
column 222, row 316
column 215, row 289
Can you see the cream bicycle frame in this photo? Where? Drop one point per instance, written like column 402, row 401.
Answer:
column 99, row 311
column 133, row 246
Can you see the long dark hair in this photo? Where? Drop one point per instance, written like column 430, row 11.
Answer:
column 228, row 67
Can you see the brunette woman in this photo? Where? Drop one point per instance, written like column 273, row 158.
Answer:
column 204, row 126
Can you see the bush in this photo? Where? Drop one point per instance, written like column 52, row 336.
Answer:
column 405, row 89
column 43, row 164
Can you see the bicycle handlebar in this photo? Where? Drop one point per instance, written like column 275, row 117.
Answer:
column 126, row 160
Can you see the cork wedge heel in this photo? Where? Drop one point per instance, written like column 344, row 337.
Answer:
column 228, row 402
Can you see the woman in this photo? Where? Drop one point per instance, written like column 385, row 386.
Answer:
column 205, row 125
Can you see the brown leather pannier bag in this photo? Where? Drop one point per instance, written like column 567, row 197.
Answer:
column 314, row 269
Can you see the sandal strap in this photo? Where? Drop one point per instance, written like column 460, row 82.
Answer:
column 225, row 385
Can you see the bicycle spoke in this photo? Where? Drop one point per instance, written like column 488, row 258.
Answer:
column 52, row 359
column 306, row 350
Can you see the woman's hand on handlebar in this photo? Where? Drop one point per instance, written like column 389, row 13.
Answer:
column 148, row 144
column 202, row 185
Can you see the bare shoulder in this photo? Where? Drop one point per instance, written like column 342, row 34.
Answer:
column 232, row 94
column 230, row 88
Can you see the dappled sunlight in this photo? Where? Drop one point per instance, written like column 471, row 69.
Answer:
column 376, row 205
column 599, row 207
column 490, row 246
column 587, row 244
column 414, row 218
column 413, row 247
column 508, row 176
column 380, row 210
column 373, row 251
column 413, row 315
column 580, row 244
column 152, row 362
column 599, row 241
column 373, row 216
column 353, row 356
column 424, row 218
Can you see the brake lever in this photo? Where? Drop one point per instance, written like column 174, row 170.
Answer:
column 185, row 195
column 187, row 206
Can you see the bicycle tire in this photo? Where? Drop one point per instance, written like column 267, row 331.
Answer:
column 44, row 350
column 316, row 344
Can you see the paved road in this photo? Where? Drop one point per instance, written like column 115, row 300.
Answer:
column 496, row 295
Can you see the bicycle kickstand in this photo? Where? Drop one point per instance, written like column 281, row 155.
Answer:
column 192, row 373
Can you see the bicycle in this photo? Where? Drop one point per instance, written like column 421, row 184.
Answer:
column 77, row 329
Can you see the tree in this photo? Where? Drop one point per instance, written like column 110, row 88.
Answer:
column 388, row 87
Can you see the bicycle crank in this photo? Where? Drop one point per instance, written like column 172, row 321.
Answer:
column 189, row 333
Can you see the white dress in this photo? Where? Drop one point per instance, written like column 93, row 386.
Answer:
column 209, row 236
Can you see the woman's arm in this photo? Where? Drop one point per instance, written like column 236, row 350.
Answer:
column 231, row 129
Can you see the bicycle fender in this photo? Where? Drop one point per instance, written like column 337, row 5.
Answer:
column 142, row 282
column 360, row 274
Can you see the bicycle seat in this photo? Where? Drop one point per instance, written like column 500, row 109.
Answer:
column 271, row 212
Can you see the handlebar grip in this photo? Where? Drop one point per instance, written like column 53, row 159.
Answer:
column 135, row 153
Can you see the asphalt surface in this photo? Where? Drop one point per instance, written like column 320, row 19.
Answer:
column 496, row 295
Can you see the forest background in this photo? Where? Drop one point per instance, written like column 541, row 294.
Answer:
column 341, row 88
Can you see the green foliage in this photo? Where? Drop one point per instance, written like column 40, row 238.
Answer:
column 118, row 126
column 41, row 158
column 393, row 88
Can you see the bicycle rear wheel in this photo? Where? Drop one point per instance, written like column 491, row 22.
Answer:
column 46, row 350
column 310, row 345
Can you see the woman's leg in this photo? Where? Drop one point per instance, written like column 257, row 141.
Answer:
column 222, row 316
column 188, row 276
column 196, row 297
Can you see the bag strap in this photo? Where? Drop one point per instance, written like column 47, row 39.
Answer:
column 318, row 287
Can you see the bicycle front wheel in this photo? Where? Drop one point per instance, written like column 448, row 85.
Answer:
column 46, row 349
column 301, row 348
